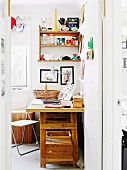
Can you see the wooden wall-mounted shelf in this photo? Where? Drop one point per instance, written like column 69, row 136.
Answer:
column 59, row 45
column 57, row 34
column 59, row 60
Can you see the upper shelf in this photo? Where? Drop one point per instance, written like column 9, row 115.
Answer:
column 61, row 33
column 59, row 60
column 59, row 45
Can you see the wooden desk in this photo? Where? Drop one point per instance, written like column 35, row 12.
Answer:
column 59, row 152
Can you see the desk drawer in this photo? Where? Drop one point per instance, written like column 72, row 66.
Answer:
column 57, row 117
column 59, row 145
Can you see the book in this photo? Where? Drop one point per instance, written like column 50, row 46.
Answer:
column 54, row 106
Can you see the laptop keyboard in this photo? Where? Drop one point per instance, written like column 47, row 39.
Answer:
column 51, row 102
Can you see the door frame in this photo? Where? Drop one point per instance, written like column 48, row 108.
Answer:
column 112, row 85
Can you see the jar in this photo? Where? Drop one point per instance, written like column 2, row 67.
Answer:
column 45, row 39
column 51, row 39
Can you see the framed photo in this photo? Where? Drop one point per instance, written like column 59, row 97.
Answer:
column 3, row 86
column 66, row 75
column 48, row 76
column 2, row 45
column 124, row 45
column 2, row 67
column 124, row 64
column 2, row 9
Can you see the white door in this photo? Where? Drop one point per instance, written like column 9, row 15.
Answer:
column 112, row 86
column 93, row 87
column 5, row 130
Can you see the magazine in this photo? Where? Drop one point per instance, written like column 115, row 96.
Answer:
column 67, row 92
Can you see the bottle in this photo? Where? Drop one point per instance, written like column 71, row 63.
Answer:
column 90, row 52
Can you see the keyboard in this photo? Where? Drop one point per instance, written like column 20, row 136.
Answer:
column 51, row 102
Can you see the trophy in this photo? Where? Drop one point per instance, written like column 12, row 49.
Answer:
column 49, row 20
column 43, row 20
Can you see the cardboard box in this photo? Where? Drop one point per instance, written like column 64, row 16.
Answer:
column 77, row 101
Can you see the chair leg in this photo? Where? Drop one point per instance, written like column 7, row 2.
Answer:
column 35, row 136
column 22, row 138
column 23, row 135
column 16, row 145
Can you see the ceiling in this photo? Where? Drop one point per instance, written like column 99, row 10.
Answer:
column 77, row 2
column 47, row 4
column 55, row 2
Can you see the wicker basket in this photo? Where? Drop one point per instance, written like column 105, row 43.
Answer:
column 46, row 94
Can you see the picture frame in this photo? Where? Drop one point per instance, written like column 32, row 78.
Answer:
column 2, row 45
column 2, row 4
column 124, row 45
column 2, row 67
column 66, row 75
column 48, row 76
column 124, row 63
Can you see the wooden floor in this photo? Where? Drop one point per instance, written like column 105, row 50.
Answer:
column 32, row 161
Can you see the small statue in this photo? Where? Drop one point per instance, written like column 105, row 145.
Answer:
column 43, row 20
column 63, row 24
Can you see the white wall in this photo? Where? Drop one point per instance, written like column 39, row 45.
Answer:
column 124, row 55
column 112, row 86
column 23, row 98
column 93, row 87
column 5, row 127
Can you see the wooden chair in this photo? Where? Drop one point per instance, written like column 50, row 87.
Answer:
column 24, row 123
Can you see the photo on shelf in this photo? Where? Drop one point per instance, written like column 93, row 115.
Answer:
column 48, row 76
column 66, row 75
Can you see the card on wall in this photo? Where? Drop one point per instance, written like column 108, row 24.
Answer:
column 2, row 67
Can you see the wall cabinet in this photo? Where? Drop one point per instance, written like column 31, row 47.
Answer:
column 52, row 42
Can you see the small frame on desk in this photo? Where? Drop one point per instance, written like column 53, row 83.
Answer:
column 48, row 76
column 124, row 45
column 124, row 63
column 66, row 75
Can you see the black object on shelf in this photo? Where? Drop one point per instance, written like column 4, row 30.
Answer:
column 66, row 58
column 72, row 24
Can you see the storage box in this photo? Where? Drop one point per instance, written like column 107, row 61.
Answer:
column 77, row 101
